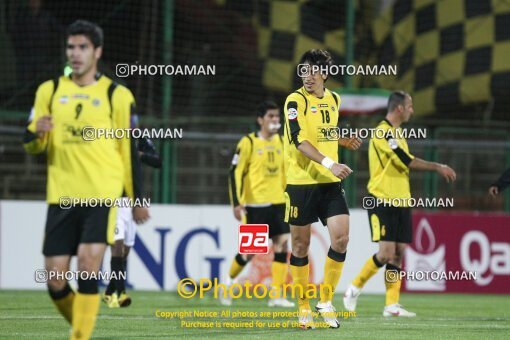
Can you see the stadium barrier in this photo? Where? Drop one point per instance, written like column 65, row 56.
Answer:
column 459, row 242
column 198, row 241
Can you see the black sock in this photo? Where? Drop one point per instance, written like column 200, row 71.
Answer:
column 121, row 279
column 240, row 260
column 298, row 261
column 89, row 286
column 111, row 287
column 57, row 295
column 280, row 257
column 116, row 265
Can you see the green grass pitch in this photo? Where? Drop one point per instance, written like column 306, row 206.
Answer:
column 31, row 315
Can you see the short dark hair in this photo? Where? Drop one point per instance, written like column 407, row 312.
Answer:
column 88, row 29
column 264, row 106
column 317, row 57
column 396, row 98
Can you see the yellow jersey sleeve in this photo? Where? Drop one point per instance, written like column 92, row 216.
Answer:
column 390, row 147
column 123, row 107
column 295, row 109
column 238, row 169
column 31, row 142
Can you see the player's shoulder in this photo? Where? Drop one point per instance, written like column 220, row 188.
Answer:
column 114, row 87
column 335, row 96
column 384, row 125
column 297, row 96
column 246, row 141
column 48, row 86
column 249, row 138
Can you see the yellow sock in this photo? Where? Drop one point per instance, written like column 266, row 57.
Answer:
column 392, row 288
column 85, row 309
column 300, row 274
column 369, row 269
column 63, row 300
column 278, row 274
column 332, row 273
column 237, row 266
column 65, row 307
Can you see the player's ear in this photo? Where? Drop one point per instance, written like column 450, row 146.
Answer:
column 260, row 120
column 324, row 76
column 98, row 52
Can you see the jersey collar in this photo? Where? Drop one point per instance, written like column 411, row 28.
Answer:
column 96, row 76
column 387, row 121
column 311, row 95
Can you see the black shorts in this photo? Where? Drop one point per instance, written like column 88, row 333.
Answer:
column 309, row 202
column 391, row 224
column 272, row 215
column 67, row 228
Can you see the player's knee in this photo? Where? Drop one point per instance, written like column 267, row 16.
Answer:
column 117, row 252
column 281, row 246
column 56, row 285
column 284, row 247
column 397, row 259
column 300, row 248
column 340, row 243
column 117, row 248
column 384, row 257
column 87, row 264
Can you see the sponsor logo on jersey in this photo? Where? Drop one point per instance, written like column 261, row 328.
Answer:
column 323, row 105
column 96, row 102
column 272, row 170
column 393, row 144
column 292, row 113
column 80, row 96
column 235, row 160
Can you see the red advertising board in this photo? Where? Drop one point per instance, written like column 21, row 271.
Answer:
column 460, row 247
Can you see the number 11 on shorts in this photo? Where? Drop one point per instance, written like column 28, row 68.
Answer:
column 253, row 239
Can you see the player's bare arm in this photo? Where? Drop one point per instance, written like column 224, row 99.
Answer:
column 444, row 170
column 493, row 191
column 353, row 143
column 239, row 211
column 501, row 184
column 339, row 170
column 141, row 215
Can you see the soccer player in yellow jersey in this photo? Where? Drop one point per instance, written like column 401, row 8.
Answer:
column 82, row 169
column 314, row 190
column 256, row 187
column 391, row 226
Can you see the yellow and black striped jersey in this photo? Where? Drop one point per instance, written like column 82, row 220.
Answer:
column 257, row 176
column 79, row 168
column 312, row 119
column 389, row 160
